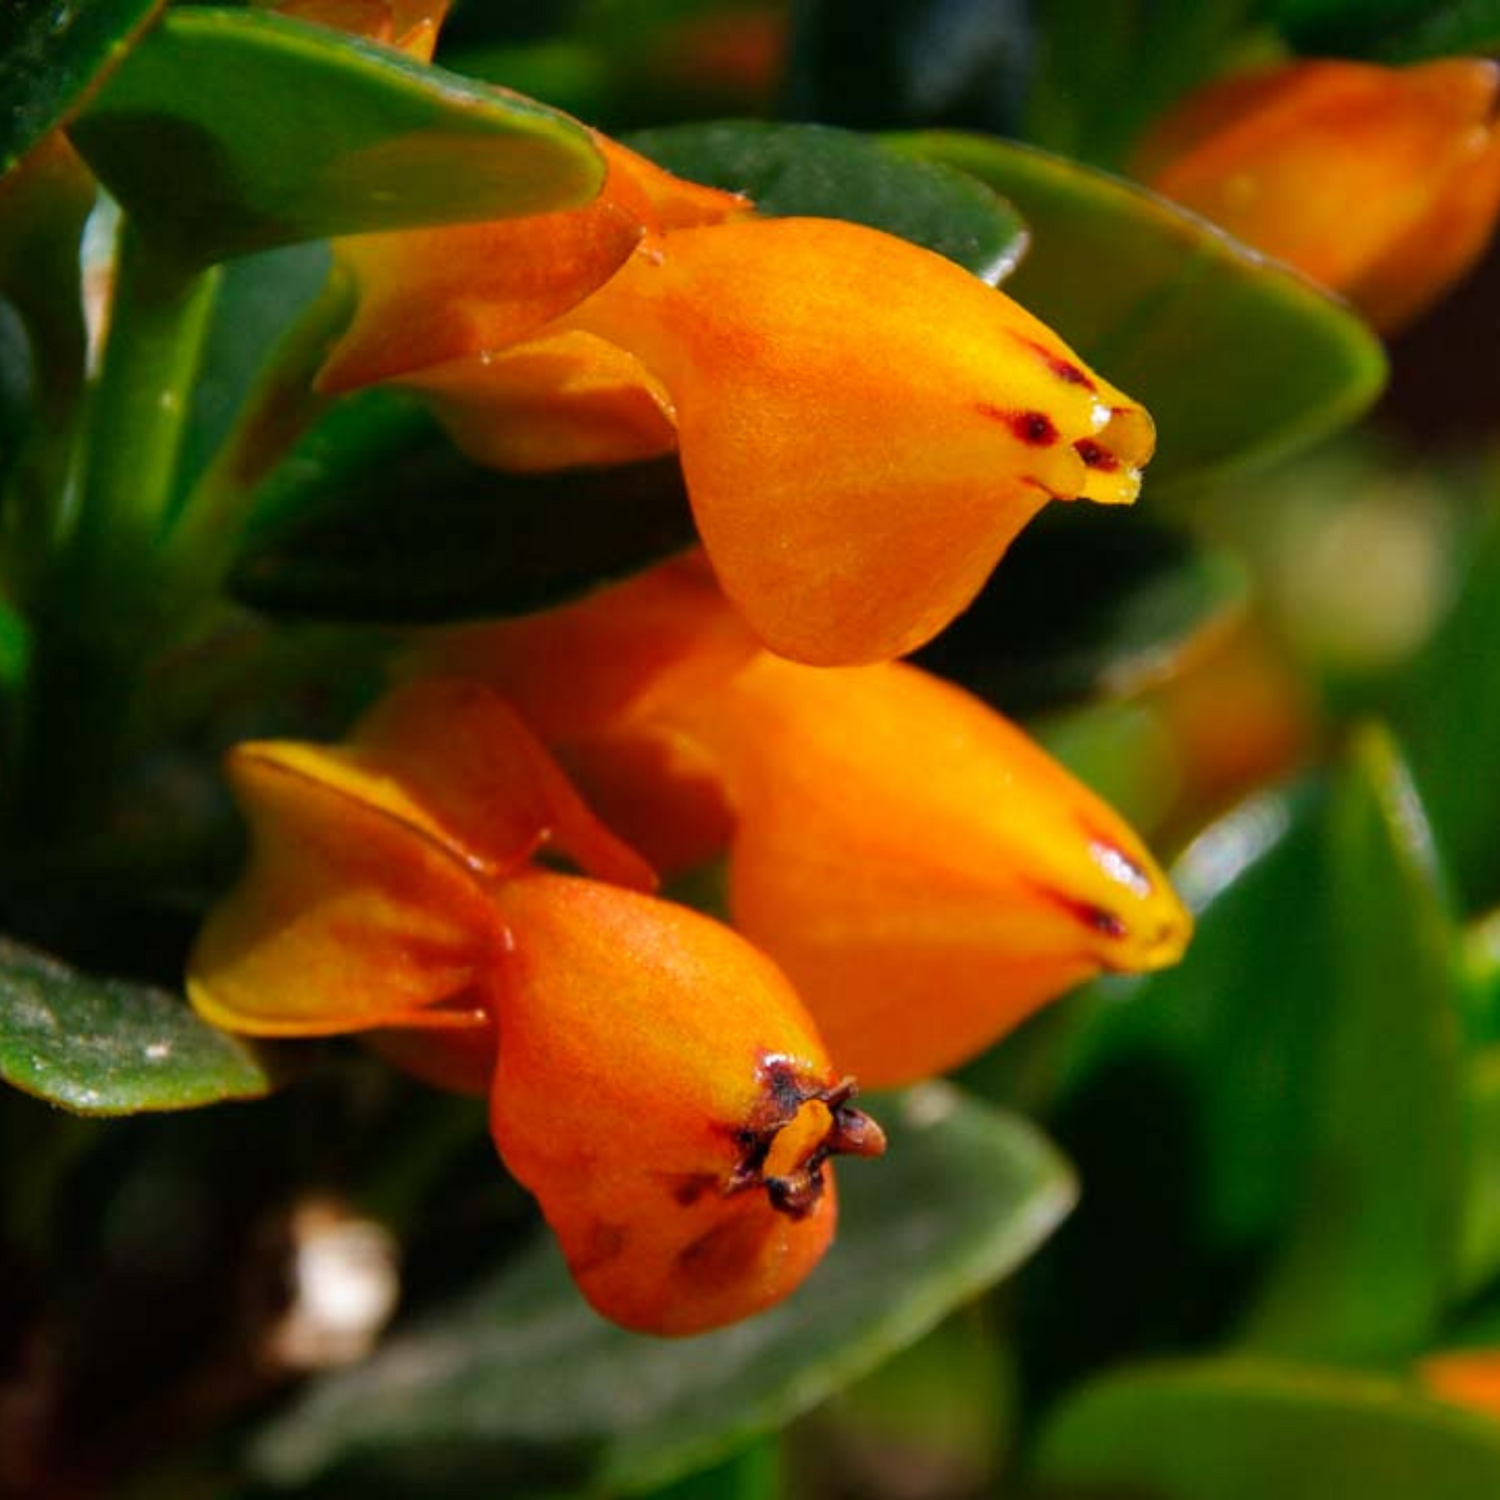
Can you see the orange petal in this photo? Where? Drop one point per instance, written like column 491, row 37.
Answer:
column 347, row 917
column 1378, row 182
column 411, row 26
column 664, row 1095
column 1464, row 1377
column 863, row 425
column 429, row 296
column 923, row 872
column 612, row 658
column 553, row 402
column 365, row 899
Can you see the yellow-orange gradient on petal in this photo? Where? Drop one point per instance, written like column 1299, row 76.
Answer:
column 863, row 425
column 924, row 873
column 663, row 1093
column 1381, row 183
column 426, row 297
column 365, row 899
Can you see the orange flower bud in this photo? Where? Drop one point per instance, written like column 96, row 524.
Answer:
column 654, row 1080
column 925, row 875
column 1381, row 183
column 664, row 1095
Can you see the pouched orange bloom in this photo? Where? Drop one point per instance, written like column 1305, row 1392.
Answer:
column 657, row 1085
column 923, row 873
column 1381, row 183
column 863, row 425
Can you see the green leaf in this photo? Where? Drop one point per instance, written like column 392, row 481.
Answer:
column 520, row 1381
column 377, row 517
column 1138, row 595
column 1479, row 1244
column 1235, row 358
column 107, row 1047
column 1393, row 30
column 1368, row 1266
column 1241, row 1430
column 51, row 55
column 1447, row 710
column 228, row 131
column 835, row 174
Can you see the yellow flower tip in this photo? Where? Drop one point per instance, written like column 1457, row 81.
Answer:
column 1381, row 183
column 663, row 1093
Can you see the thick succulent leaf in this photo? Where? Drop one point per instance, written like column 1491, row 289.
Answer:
column 521, row 1384
column 52, row 55
column 1138, row 595
column 377, row 517
column 1369, row 1262
column 817, row 171
column 228, row 131
column 1234, row 356
column 1235, row 1429
column 107, row 1047
column 1392, row 30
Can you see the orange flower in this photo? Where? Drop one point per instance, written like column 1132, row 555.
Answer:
column 659, row 1086
column 1381, row 183
column 924, row 874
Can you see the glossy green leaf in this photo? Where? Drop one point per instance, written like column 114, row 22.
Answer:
column 1234, row 357
column 835, row 174
column 1447, row 710
column 235, row 130
column 1243, row 1430
column 106, row 1047
column 521, row 1383
column 51, row 55
column 1138, row 594
column 376, row 516
column 1368, row 1266
column 1392, row 30
column 1479, row 1243
column 1107, row 68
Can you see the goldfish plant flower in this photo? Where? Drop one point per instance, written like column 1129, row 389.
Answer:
column 1381, row 183
column 658, row 1085
column 924, row 873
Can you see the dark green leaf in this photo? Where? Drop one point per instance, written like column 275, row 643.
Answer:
column 1235, row 358
column 1447, row 711
column 1479, row 1246
column 50, row 56
column 1106, row 68
column 377, row 517
column 105, row 1047
column 521, row 1380
column 1137, row 595
column 1369, row 1262
column 1244, row 1431
column 836, row 174
column 235, row 130
column 1393, row 30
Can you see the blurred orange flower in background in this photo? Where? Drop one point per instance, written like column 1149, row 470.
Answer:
column 1381, row 183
